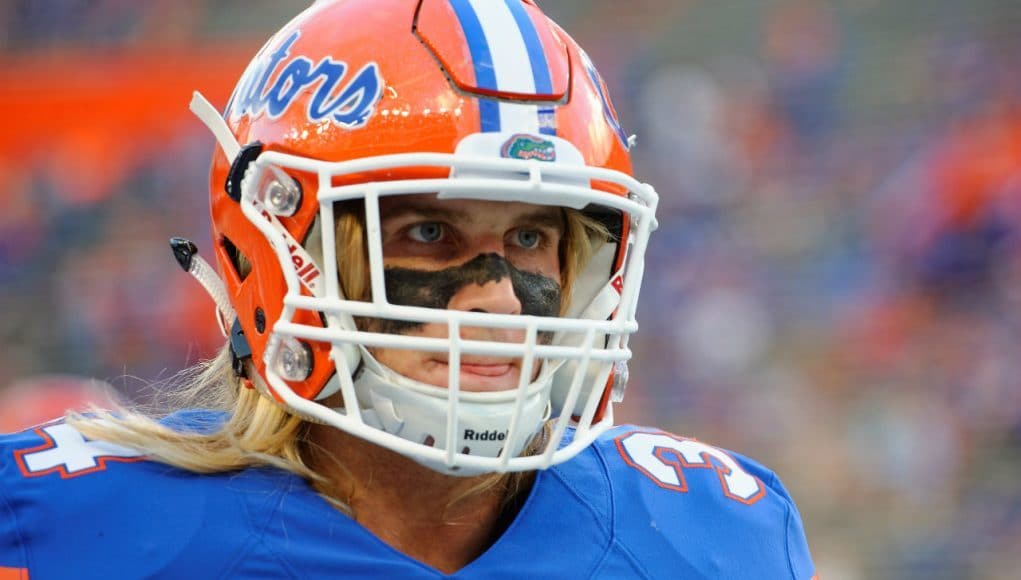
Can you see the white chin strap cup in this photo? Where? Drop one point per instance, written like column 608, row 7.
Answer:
column 421, row 413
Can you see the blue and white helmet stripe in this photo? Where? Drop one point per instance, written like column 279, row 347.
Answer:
column 536, row 56
column 507, row 59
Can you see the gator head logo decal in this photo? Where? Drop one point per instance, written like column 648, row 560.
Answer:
column 529, row 147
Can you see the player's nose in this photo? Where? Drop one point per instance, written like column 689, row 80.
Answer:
column 492, row 297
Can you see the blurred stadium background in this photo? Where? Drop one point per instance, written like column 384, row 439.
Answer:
column 835, row 288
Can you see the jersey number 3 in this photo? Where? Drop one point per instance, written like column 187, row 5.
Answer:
column 663, row 458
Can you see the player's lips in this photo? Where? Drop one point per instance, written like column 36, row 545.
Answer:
column 486, row 373
column 486, row 370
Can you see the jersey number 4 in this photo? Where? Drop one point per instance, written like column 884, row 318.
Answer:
column 663, row 458
column 67, row 452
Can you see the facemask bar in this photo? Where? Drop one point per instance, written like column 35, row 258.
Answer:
column 536, row 188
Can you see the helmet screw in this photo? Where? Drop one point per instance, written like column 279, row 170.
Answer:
column 294, row 362
column 283, row 196
column 260, row 320
column 620, row 378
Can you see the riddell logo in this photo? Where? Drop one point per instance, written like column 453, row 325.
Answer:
column 307, row 270
column 494, row 435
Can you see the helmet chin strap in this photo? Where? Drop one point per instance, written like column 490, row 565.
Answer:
column 211, row 118
column 185, row 252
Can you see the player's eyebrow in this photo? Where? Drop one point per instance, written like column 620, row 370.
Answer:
column 540, row 216
column 426, row 209
column 550, row 217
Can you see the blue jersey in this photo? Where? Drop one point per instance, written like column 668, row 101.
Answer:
column 638, row 503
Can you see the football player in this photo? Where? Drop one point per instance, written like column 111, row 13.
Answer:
column 429, row 247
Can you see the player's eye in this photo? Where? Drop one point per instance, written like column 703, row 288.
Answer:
column 527, row 239
column 426, row 232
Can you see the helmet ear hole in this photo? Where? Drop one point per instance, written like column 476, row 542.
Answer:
column 239, row 262
column 260, row 320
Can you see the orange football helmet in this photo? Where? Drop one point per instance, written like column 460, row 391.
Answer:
column 473, row 99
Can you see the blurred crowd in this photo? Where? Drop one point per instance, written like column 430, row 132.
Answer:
column 835, row 288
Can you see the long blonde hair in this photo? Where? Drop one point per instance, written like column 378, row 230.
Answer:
column 258, row 431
